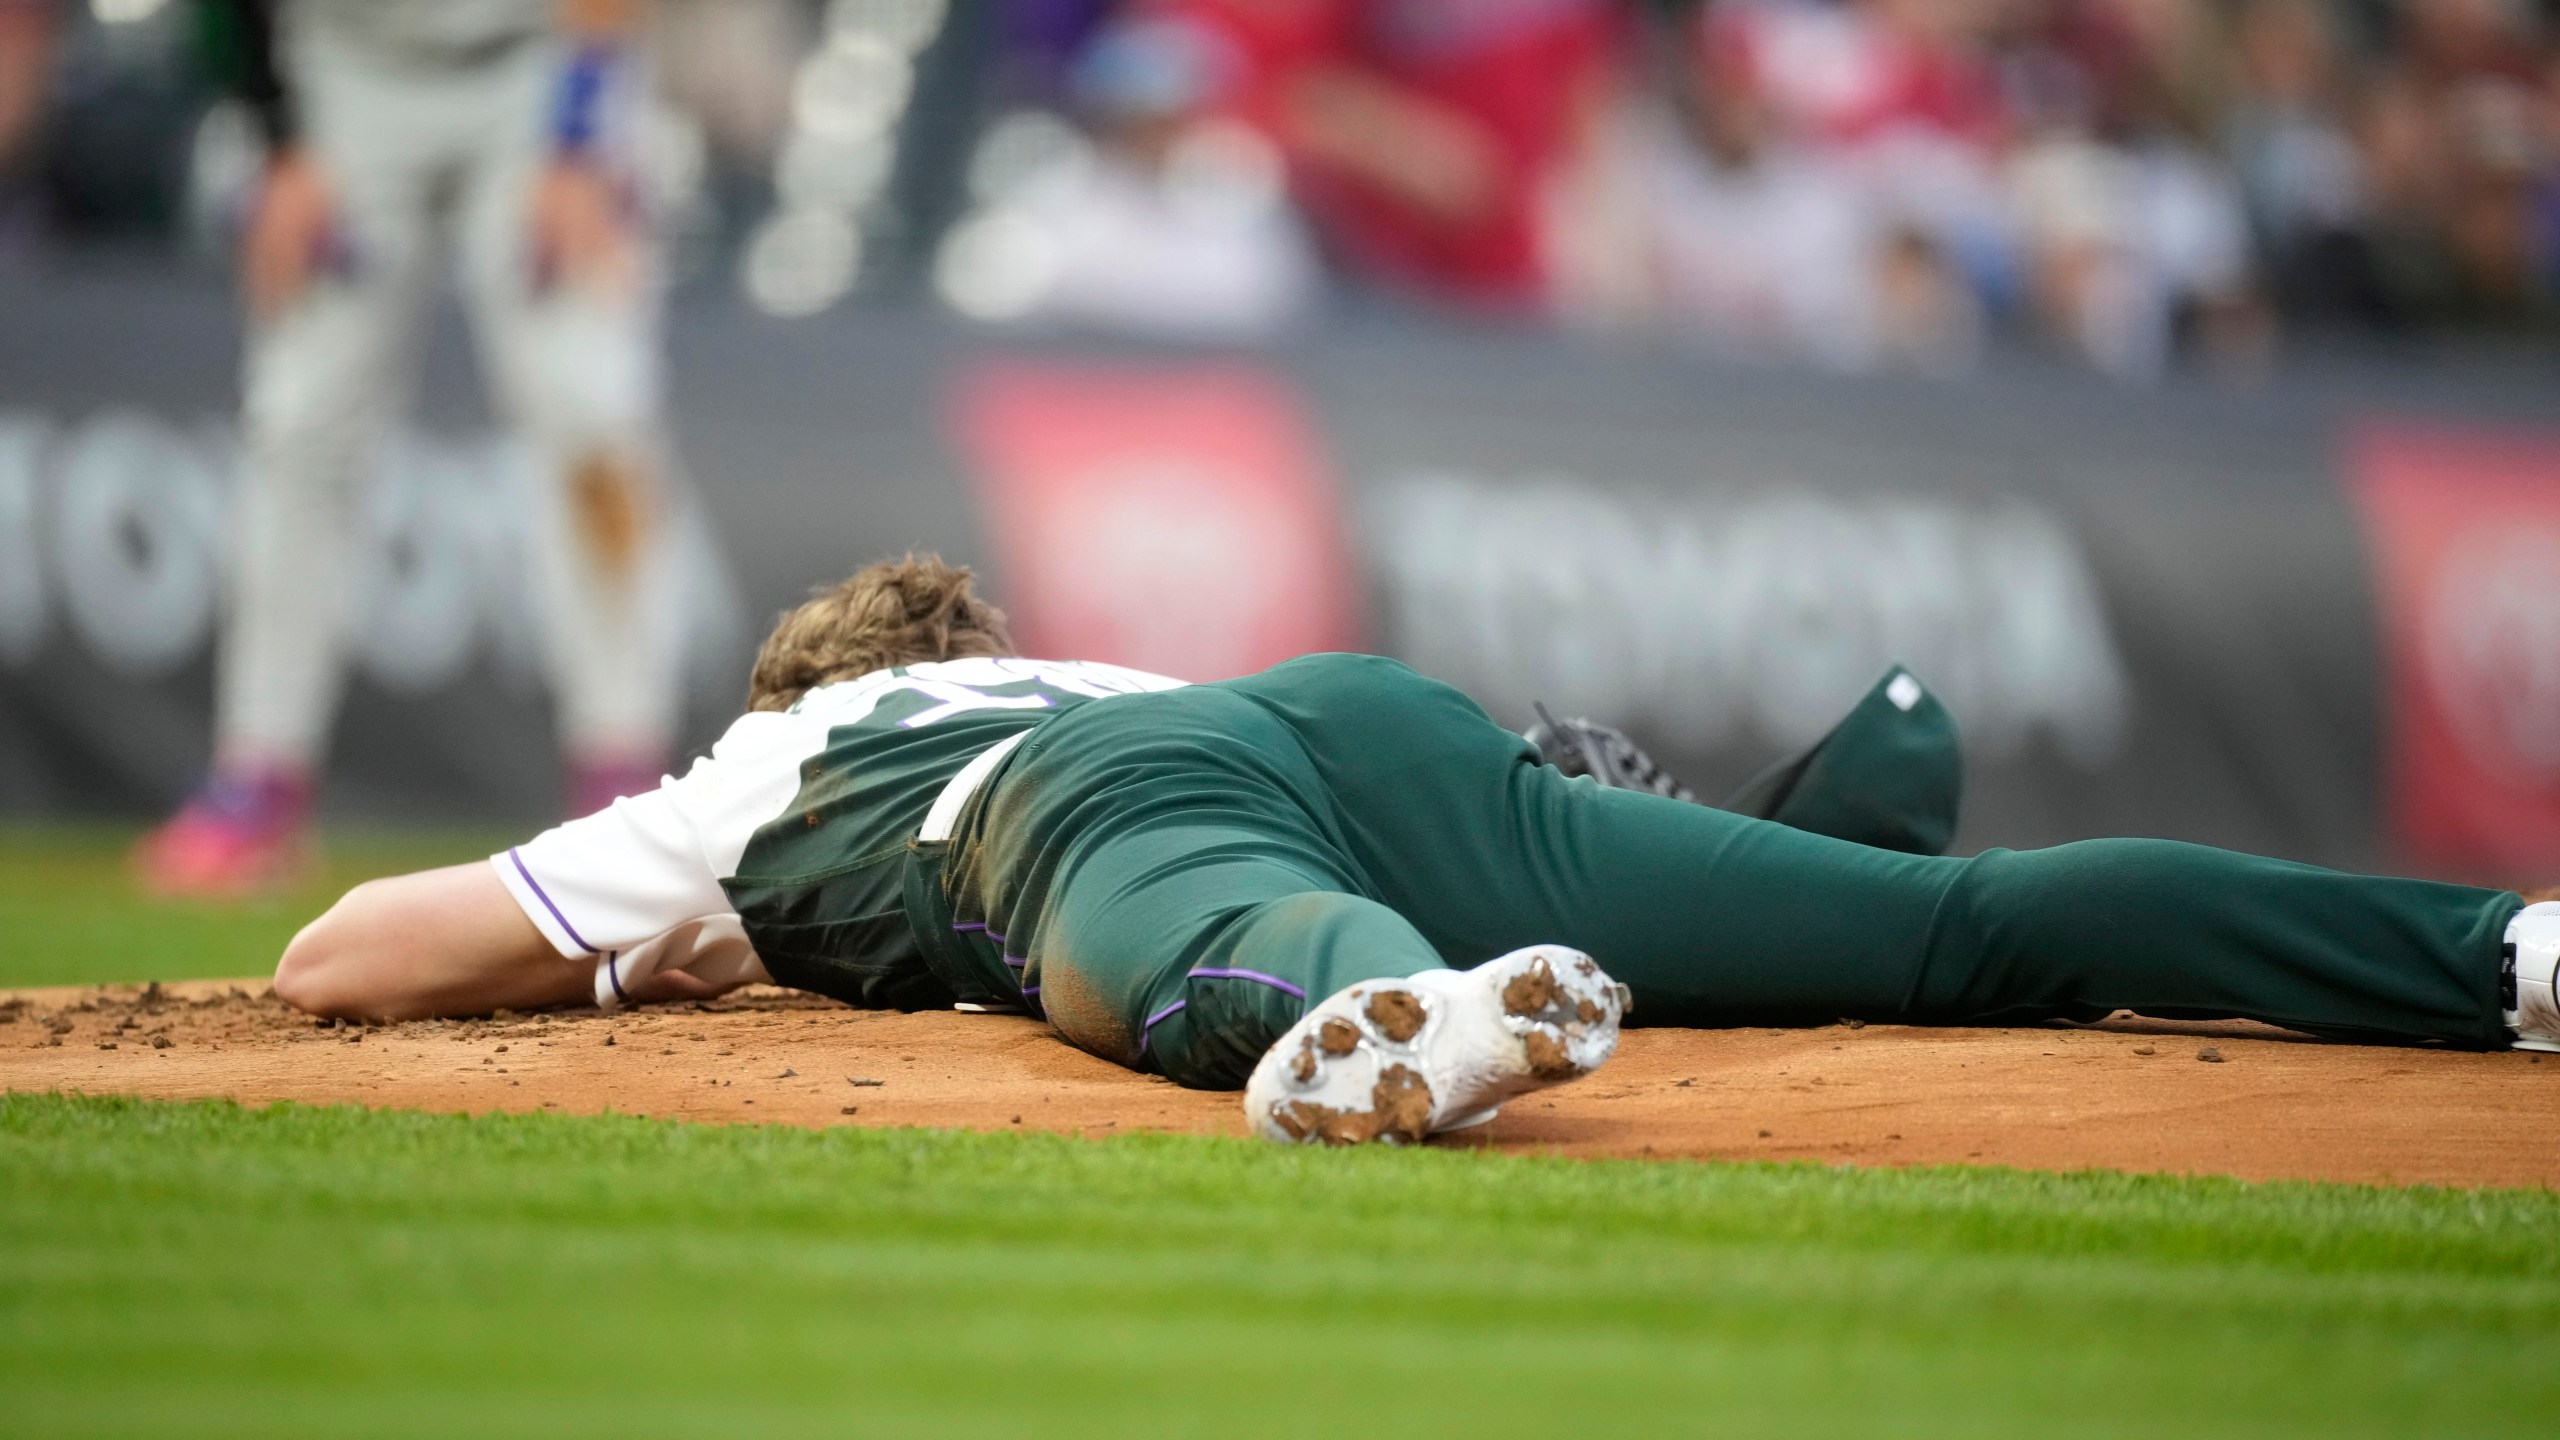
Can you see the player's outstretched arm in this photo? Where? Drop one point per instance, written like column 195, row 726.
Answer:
column 439, row 942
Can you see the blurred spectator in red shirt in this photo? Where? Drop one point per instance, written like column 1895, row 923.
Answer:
column 1425, row 137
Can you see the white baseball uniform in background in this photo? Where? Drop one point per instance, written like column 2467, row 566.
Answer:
column 432, row 121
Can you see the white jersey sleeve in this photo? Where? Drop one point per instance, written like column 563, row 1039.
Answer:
column 636, row 885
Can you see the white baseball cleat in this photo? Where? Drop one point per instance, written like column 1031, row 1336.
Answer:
column 2533, row 973
column 1396, row 1060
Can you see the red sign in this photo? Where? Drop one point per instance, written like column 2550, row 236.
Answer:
column 2464, row 530
column 1178, row 520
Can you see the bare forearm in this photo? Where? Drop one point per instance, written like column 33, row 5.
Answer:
column 440, row 942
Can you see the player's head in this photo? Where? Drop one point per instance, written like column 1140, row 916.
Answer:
column 898, row 612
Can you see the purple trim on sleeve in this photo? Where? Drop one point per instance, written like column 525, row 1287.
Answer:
column 1016, row 961
column 1256, row 976
column 540, row 894
column 971, row 925
column 1030, row 989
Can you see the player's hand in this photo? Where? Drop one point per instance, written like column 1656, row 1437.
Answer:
column 582, row 230
column 292, row 233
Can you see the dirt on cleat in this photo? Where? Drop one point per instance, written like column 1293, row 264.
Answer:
column 1530, row 991
column 1548, row 1058
column 1397, row 1014
column 1396, row 1061
column 1399, row 1113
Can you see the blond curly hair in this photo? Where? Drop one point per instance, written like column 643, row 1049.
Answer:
column 897, row 612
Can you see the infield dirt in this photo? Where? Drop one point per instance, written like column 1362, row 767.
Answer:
column 2129, row 1094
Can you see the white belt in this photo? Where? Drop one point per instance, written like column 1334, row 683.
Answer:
column 955, row 795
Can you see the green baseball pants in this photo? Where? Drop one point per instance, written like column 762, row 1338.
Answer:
column 1173, row 878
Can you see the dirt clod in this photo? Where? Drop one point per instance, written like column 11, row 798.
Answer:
column 1398, row 1014
column 1402, row 1101
column 1298, row 1119
column 161, row 1042
column 2211, row 1055
column 1531, row 991
column 2146, row 1049
column 1338, row 1036
column 1304, row 1067
column 608, row 1039
column 1548, row 1058
column 863, row 1082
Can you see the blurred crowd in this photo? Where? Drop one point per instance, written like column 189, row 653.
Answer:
column 2138, row 184
column 1854, row 182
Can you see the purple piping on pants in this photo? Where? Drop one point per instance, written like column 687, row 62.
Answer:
column 613, row 972
column 981, row 927
column 1147, row 1032
column 540, row 894
column 1256, row 976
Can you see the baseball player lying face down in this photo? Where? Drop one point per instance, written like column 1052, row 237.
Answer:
column 1341, row 887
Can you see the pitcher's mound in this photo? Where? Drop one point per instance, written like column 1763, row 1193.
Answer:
column 2133, row 1095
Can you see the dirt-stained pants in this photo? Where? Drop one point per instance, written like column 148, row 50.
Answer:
column 1179, row 875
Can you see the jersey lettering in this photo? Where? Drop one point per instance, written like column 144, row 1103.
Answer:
column 960, row 699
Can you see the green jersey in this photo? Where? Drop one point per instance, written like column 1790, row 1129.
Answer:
column 786, row 852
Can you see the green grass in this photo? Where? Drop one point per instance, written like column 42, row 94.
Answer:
column 73, row 915
column 210, row 1270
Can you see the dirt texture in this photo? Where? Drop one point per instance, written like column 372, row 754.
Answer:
column 2129, row 1094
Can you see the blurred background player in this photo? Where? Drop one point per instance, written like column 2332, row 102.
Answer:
column 399, row 129
column 26, row 51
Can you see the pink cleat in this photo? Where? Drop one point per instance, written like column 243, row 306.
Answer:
column 239, row 836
